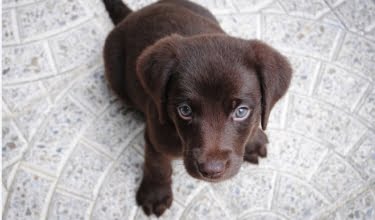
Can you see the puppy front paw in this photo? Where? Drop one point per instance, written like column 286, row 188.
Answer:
column 154, row 198
column 254, row 151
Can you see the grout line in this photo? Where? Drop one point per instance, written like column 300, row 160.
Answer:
column 317, row 75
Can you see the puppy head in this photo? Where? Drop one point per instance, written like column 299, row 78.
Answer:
column 216, row 90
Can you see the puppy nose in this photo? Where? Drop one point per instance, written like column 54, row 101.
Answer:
column 212, row 169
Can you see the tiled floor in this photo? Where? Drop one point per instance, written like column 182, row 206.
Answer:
column 72, row 151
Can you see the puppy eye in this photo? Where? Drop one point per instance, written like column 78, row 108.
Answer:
column 241, row 113
column 185, row 112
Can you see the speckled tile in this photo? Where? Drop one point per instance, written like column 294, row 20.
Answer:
column 278, row 114
column 361, row 207
column 93, row 90
column 300, row 35
column 251, row 5
column 27, row 197
column 359, row 16
column 341, row 88
column 305, row 70
column 367, row 108
column 69, row 50
column 297, row 200
column 13, row 3
column 240, row 25
column 217, row 6
column 335, row 178
column 308, row 8
column 204, row 207
column 116, row 199
column 249, row 190
column 58, row 85
column 25, row 62
column 320, row 121
column 83, row 170
column 22, row 96
column 54, row 140
column 13, row 143
column 261, row 216
column 358, row 53
column 292, row 153
column 363, row 157
column 112, row 130
column 65, row 207
column 48, row 16
column 9, row 31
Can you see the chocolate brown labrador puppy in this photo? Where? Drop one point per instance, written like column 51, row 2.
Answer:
column 204, row 93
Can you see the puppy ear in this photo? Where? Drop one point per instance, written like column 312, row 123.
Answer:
column 154, row 68
column 274, row 74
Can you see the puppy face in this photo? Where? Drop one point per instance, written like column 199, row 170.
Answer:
column 216, row 90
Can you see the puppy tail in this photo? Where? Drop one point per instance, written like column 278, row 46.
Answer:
column 117, row 10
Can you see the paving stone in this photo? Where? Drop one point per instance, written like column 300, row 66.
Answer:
column 320, row 121
column 26, row 186
column 251, row 5
column 48, row 16
column 300, row 35
column 249, row 190
column 13, row 143
column 358, row 53
column 262, row 216
column 63, row 207
column 26, row 62
column 9, row 32
column 361, row 207
column 367, row 108
column 83, row 170
column 363, row 157
column 308, row 8
column 341, row 88
column 54, row 140
column 69, row 50
column 217, row 6
column 240, row 25
column 336, row 178
column 297, row 200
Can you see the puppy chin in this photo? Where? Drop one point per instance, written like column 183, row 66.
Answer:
column 193, row 171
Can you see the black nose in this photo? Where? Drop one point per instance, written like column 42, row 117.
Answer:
column 212, row 169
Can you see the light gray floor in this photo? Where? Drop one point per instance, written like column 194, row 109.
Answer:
column 72, row 151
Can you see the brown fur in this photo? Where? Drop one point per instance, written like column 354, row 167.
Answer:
column 174, row 52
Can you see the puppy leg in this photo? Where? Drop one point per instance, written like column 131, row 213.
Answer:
column 256, row 147
column 155, row 193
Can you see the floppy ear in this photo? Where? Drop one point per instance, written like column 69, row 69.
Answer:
column 154, row 68
column 274, row 74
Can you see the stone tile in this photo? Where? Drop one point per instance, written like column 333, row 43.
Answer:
column 334, row 3
column 300, row 36
column 278, row 114
column 308, row 8
column 322, row 122
column 64, row 207
column 240, row 25
column 94, row 92
column 248, row 190
column 274, row 7
column 304, row 71
column 184, row 186
column 114, row 128
column 363, row 157
column 13, row 143
column 367, row 108
column 361, row 207
column 83, row 170
column 22, row 96
column 261, row 216
column 116, row 198
column 203, row 206
column 14, row 3
column 55, row 139
column 251, row 5
column 335, row 178
column 358, row 53
column 58, row 85
column 217, row 6
column 327, row 216
column 359, row 16
column 48, row 16
column 292, row 153
column 25, row 62
column 69, row 50
column 27, row 197
column 297, row 200
column 340, row 88
column 9, row 31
